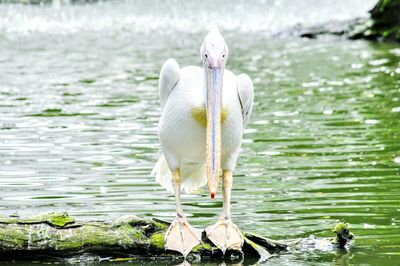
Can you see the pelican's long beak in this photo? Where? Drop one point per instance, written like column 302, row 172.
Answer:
column 213, row 141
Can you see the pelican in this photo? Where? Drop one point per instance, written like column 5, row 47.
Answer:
column 203, row 114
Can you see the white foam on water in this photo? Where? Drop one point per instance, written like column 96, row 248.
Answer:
column 267, row 16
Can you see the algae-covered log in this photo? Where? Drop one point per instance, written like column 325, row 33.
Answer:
column 57, row 235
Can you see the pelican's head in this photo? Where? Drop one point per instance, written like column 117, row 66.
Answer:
column 214, row 53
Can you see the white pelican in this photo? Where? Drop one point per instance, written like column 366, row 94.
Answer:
column 204, row 112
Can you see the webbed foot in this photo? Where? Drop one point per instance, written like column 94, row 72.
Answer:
column 225, row 235
column 181, row 237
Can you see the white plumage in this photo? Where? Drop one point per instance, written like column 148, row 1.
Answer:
column 182, row 137
column 193, row 176
column 203, row 115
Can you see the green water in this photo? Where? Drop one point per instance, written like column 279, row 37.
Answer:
column 78, row 129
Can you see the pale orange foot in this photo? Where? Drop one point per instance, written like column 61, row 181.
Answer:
column 225, row 235
column 181, row 237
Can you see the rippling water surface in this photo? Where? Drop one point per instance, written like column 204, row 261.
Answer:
column 79, row 111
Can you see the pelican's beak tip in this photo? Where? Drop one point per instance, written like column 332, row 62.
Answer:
column 212, row 194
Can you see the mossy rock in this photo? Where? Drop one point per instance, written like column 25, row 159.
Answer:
column 56, row 234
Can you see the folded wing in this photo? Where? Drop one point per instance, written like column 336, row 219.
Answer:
column 169, row 77
column 246, row 96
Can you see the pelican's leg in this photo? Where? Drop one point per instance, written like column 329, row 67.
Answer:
column 224, row 233
column 180, row 236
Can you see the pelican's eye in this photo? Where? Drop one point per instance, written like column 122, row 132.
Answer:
column 223, row 55
column 206, row 55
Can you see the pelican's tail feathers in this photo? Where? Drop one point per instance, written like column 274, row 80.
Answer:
column 193, row 175
column 163, row 174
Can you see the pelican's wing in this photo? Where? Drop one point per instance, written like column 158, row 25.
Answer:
column 246, row 96
column 169, row 76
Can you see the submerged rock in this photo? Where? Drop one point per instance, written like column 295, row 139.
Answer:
column 338, row 28
column 343, row 235
column 383, row 24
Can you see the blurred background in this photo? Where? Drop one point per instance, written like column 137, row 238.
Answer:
column 79, row 110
